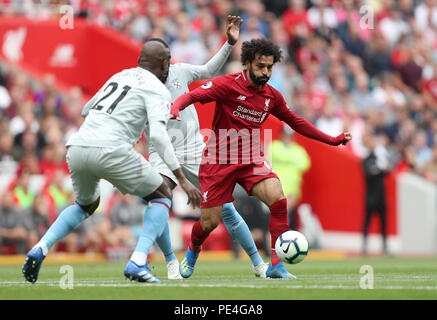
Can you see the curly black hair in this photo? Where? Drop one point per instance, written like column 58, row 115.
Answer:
column 263, row 47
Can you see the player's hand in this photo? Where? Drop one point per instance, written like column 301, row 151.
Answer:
column 347, row 138
column 174, row 114
column 233, row 25
column 194, row 195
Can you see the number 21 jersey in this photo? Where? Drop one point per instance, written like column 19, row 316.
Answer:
column 125, row 106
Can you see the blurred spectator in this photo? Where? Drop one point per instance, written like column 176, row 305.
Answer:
column 24, row 119
column 429, row 89
column 126, row 219
column 377, row 56
column 352, row 39
column 422, row 152
column 430, row 167
column 290, row 161
column 410, row 71
column 5, row 98
column 388, row 98
column 321, row 16
column 295, row 20
column 121, row 227
column 58, row 196
column 12, row 224
column 425, row 14
column 361, row 95
column 23, row 196
column 329, row 122
column 393, row 26
column 8, row 154
column 187, row 50
column 37, row 220
column 375, row 165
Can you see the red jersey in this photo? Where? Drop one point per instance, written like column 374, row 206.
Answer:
column 430, row 86
column 240, row 112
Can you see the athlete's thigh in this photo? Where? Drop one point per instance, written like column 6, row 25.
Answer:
column 268, row 190
column 85, row 182
column 217, row 183
column 260, row 180
column 130, row 172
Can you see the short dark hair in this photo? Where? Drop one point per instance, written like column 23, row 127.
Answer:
column 159, row 40
column 263, row 47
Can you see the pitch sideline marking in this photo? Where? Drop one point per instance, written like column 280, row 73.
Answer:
column 209, row 285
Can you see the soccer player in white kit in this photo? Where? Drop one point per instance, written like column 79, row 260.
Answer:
column 131, row 101
column 188, row 144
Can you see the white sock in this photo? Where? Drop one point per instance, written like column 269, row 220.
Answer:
column 44, row 248
column 139, row 258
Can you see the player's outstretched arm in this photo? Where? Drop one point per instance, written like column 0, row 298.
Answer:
column 180, row 104
column 213, row 66
column 233, row 26
column 307, row 129
column 210, row 91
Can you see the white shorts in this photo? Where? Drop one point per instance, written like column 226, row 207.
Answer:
column 190, row 170
column 122, row 166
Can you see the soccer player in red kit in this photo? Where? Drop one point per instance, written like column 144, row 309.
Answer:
column 232, row 155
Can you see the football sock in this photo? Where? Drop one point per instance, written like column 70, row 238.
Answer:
column 164, row 244
column 278, row 224
column 154, row 222
column 198, row 236
column 239, row 230
column 68, row 220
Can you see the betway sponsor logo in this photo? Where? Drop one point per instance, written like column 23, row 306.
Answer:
column 249, row 114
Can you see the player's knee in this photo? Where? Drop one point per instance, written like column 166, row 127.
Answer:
column 90, row 208
column 208, row 225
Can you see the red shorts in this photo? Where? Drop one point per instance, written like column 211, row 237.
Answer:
column 217, row 181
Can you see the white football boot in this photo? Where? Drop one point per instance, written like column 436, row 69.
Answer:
column 260, row 270
column 173, row 270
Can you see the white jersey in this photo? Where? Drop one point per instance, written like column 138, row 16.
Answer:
column 124, row 107
column 185, row 135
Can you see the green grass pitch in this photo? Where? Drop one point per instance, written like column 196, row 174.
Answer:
column 393, row 278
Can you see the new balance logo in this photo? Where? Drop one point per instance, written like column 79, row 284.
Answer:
column 242, row 97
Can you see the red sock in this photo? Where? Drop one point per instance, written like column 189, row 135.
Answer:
column 198, row 236
column 278, row 224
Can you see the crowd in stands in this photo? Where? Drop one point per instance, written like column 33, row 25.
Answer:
column 369, row 67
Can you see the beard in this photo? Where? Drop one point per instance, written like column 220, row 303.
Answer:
column 259, row 81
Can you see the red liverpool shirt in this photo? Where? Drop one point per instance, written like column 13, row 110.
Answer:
column 240, row 112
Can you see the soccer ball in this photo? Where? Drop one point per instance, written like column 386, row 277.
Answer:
column 291, row 247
